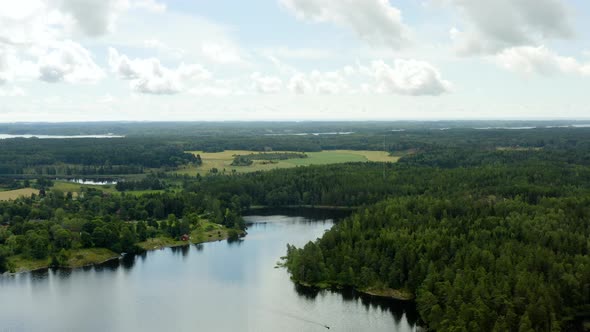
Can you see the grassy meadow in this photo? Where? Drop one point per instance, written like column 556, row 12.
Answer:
column 223, row 160
column 14, row 194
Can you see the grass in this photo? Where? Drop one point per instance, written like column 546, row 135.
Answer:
column 398, row 294
column 222, row 160
column 89, row 256
column 66, row 186
column 199, row 235
column 77, row 258
column 14, row 194
column 23, row 264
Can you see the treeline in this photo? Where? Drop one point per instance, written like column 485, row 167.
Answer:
column 358, row 184
column 147, row 183
column 396, row 141
column 247, row 160
column 68, row 170
column 88, row 156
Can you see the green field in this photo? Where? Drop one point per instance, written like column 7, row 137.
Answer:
column 222, row 160
column 66, row 186
column 216, row 232
column 77, row 258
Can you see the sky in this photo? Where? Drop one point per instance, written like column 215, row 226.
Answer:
column 205, row 60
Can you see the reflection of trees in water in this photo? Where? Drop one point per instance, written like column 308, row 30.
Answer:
column 234, row 242
column 127, row 262
column 62, row 273
column 142, row 256
column 111, row 265
column 309, row 215
column 397, row 308
column 309, row 293
column 181, row 250
column 199, row 247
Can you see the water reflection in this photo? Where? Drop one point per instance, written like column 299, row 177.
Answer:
column 218, row 286
column 401, row 310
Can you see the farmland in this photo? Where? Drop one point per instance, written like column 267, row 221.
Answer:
column 222, row 160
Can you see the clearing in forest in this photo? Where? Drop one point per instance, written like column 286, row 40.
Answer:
column 223, row 160
column 14, row 194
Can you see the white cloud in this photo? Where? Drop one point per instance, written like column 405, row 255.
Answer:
column 93, row 17
column 298, row 53
column 150, row 76
column 266, row 84
column 299, row 84
column 12, row 92
column 210, row 91
column 539, row 60
column 164, row 49
column 318, row 82
column 375, row 21
column 409, row 77
column 223, row 53
column 70, row 62
column 98, row 17
column 491, row 26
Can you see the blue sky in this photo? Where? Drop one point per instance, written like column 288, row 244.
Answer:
column 73, row 60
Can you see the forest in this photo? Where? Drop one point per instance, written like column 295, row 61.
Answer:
column 484, row 229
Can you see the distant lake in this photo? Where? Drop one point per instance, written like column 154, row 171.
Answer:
column 7, row 136
column 216, row 286
column 92, row 182
column 313, row 134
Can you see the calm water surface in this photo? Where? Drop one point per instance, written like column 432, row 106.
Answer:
column 9, row 136
column 217, row 286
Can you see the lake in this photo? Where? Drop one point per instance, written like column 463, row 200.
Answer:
column 91, row 182
column 218, row 286
column 9, row 136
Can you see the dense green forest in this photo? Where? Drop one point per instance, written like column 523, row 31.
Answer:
column 486, row 229
column 45, row 225
column 88, row 156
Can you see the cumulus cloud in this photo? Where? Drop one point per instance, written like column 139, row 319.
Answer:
column 98, row 17
column 409, row 77
column 93, row 17
column 266, row 84
column 150, row 76
column 539, row 60
column 299, row 84
column 491, row 26
column 70, row 62
column 375, row 21
column 331, row 82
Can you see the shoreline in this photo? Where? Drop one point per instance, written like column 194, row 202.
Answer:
column 387, row 293
column 319, row 207
column 176, row 243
